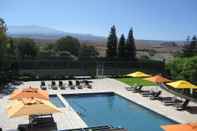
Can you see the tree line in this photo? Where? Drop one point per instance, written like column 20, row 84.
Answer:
column 184, row 65
column 15, row 50
column 123, row 48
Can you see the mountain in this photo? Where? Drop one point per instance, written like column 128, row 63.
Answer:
column 45, row 33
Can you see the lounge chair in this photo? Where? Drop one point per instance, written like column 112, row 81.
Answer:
column 183, row 106
column 39, row 123
column 61, row 85
column 131, row 88
column 163, row 99
column 147, row 93
column 173, row 101
column 78, row 85
column 43, row 85
column 70, row 84
column 88, row 85
column 156, row 95
column 53, row 85
column 138, row 89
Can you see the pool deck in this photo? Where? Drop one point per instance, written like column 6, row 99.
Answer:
column 69, row 119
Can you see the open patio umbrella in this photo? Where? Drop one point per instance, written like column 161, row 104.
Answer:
column 138, row 74
column 180, row 127
column 157, row 79
column 182, row 84
column 28, row 107
column 29, row 93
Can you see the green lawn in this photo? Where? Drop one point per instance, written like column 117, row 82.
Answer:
column 131, row 81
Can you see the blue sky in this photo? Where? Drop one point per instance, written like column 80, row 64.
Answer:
column 150, row 19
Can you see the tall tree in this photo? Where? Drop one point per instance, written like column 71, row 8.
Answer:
column 112, row 43
column 121, row 47
column 131, row 49
column 190, row 49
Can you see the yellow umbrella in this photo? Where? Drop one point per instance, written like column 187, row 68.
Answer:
column 138, row 74
column 157, row 79
column 30, row 107
column 29, row 93
column 181, row 84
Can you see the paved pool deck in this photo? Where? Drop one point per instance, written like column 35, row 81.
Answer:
column 69, row 119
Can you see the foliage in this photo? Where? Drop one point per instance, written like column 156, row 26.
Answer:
column 49, row 47
column 112, row 40
column 152, row 52
column 132, row 81
column 2, row 40
column 144, row 57
column 130, row 47
column 26, row 47
column 10, row 48
column 121, row 47
column 68, row 43
column 87, row 52
column 183, row 68
column 190, row 49
column 7, row 70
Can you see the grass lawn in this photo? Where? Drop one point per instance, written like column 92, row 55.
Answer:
column 131, row 81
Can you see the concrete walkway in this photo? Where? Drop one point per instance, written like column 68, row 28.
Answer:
column 69, row 119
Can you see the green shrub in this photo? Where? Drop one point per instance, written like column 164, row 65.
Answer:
column 183, row 68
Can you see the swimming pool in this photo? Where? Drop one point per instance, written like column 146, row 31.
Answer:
column 111, row 109
column 56, row 101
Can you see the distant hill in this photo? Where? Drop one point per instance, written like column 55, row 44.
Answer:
column 164, row 49
column 47, row 34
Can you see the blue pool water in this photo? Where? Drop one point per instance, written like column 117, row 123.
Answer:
column 111, row 109
column 56, row 101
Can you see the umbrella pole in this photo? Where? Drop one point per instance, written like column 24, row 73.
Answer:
column 191, row 91
column 30, row 121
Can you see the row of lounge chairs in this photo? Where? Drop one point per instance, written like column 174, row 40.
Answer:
column 156, row 95
column 70, row 84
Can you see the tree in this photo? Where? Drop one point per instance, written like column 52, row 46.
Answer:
column 87, row 52
column 121, row 47
column 68, row 43
column 183, row 68
column 190, row 49
column 3, row 26
column 130, row 47
column 26, row 47
column 112, row 43
column 10, row 48
column 6, row 50
column 3, row 39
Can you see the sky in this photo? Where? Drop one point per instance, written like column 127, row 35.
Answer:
column 150, row 19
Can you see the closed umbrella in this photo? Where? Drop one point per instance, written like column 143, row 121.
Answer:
column 29, row 93
column 28, row 107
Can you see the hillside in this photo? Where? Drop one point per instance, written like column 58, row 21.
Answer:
column 152, row 48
